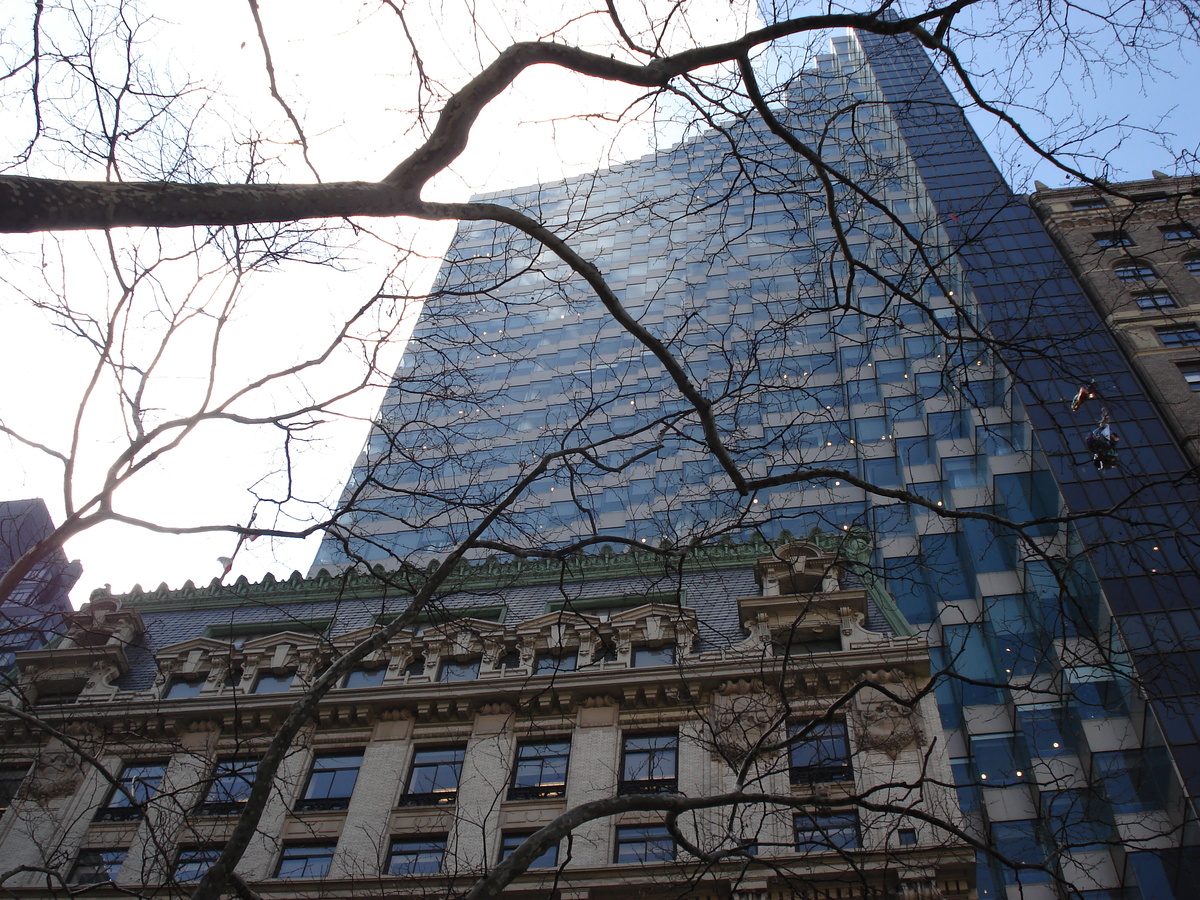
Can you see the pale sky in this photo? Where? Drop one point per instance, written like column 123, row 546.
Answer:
column 351, row 86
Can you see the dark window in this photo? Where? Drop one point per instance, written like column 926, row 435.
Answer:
column 552, row 663
column 1001, row 759
column 273, row 684
column 1135, row 271
column 653, row 656
column 364, row 678
column 1177, row 232
column 1154, row 300
column 648, row 764
column 511, row 840
column 1089, row 203
column 1112, row 239
column 1191, row 374
column 139, row 784
column 819, row 752
column 540, row 770
column 331, row 781
column 826, row 832
column 181, row 688
column 305, row 861
column 193, row 862
column 456, row 671
column 415, row 856
column 1179, row 336
column 231, row 782
column 1132, row 780
column 10, row 783
column 908, row 837
column 96, row 866
column 434, row 776
column 644, row 843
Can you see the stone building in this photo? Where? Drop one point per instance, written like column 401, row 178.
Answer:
column 1136, row 250
column 780, row 675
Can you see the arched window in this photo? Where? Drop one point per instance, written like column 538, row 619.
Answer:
column 1135, row 271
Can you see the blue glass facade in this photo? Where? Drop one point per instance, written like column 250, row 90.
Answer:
column 926, row 344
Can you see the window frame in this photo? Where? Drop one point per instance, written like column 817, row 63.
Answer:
column 365, row 672
column 511, row 840
column 117, row 806
column 307, row 802
column 551, row 663
column 1181, row 335
column 821, row 756
column 433, row 797
column 1190, row 372
column 655, row 757
column 649, row 837
column 1135, row 271
column 319, row 846
column 468, row 671
column 645, row 657
column 1178, row 232
column 1151, row 301
column 201, row 855
column 541, row 789
column 276, row 682
column 232, row 804
column 107, row 867
column 1109, row 240
column 436, row 843
column 193, row 688
column 833, row 831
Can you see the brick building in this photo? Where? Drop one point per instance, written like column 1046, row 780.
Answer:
column 1136, row 250
column 518, row 699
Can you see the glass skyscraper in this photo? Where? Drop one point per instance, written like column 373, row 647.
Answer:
column 916, row 357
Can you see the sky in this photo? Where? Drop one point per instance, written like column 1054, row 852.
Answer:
column 345, row 78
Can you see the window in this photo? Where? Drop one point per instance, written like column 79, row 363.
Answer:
column 1089, row 203
column 1105, row 239
column 826, row 832
column 1179, row 336
column 648, row 764
column 553, row 663
column 364, row 678
column 193, row 862
column 10, row 783
column 511, row 840
column 1154, row 300
column 415, row 856
column 305, row 860
column 1191, row 374
column 653, row 656
column 1177, row 232
column 230, row 786
column 456, row 671
column 1135, row 271
column 908, row 837
column 273, row 684
column 434, row 776
column 139, row 784
column 540, row 770
column 1192, row 263
column 96, row 866
column 180, row 688
column 819, row 751
column 331, row 781
column 644, row 843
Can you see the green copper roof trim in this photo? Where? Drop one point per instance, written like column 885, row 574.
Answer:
column 495, row 573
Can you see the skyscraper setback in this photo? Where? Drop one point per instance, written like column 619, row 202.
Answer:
column 905, row 367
